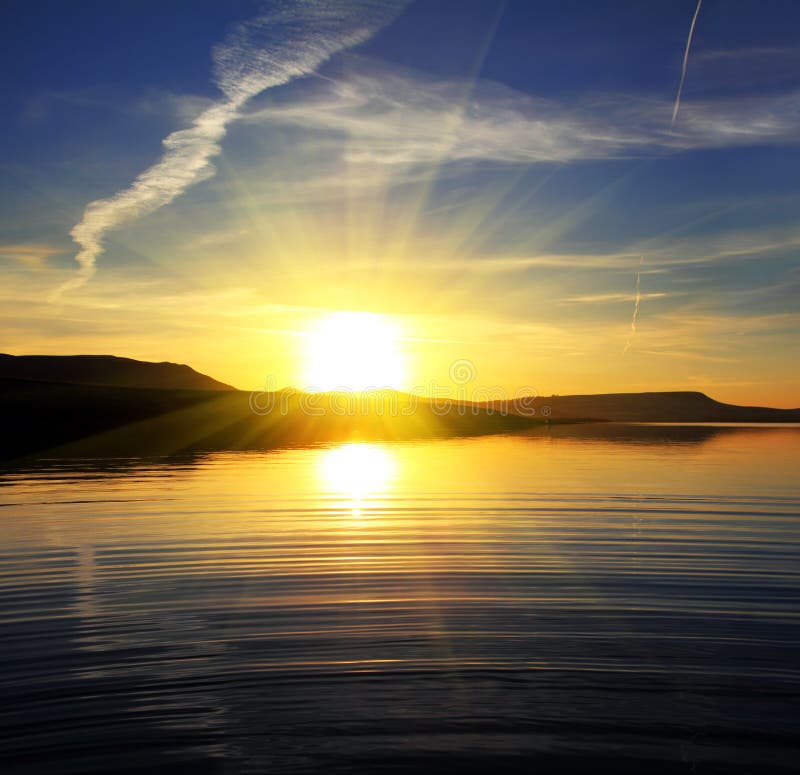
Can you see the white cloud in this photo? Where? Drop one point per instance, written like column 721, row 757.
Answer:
column 290, row 41
column 393, row 118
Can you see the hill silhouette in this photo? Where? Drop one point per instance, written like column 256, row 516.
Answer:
column 672, row 406
column 106, row 370
column 138, row 408
column 56, row 419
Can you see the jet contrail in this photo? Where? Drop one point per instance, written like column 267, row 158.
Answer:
column 635, row 309
column 288, row 42
column 685, row 62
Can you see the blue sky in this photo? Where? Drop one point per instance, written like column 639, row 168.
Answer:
column 494, row 173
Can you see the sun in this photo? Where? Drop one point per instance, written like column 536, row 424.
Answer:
column 354, row 351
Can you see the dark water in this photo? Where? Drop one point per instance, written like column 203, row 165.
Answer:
column 580, row 600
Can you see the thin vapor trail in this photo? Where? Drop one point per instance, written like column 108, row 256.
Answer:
column 635, row 308
column 290, row 41
column 685, row 62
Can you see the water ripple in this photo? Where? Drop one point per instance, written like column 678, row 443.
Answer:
column 245, row 613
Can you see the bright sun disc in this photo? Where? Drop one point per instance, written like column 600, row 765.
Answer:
column 354, row 351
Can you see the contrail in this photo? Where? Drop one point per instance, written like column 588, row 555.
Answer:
column 288, row 42
column 685, row 62
column 635, row 309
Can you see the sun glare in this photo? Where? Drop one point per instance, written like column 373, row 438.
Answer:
column 357, row 470
column 354, row 351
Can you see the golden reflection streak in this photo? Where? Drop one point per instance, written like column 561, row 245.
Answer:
column 357, row 472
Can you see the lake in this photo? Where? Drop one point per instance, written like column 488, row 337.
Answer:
column 583, row 598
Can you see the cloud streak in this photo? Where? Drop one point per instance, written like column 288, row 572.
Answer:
column 685, row 63
column 32, row 255
column 290, row 41
column 635, row 308
column 384, row 118
column 602, row 298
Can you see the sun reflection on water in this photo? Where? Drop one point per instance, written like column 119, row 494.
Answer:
column 357, row 472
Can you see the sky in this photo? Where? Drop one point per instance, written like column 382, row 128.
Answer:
column 200, row 182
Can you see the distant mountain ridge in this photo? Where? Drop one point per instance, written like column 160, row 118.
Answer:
column 106, row 370
column 665, row 406
column 101, row 405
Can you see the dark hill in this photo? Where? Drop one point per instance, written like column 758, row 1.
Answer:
column 51, row 419
column 107, row 370
column 106, row 406
column 674, row 406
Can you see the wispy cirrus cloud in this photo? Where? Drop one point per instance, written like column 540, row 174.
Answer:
column 749, row 69
column 392, row 118
column 605, row 298
column 31, row 254
column 400, row 119
column 289, row 41
column 662, row 254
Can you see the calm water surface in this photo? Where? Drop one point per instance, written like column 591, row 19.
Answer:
column 618, row 598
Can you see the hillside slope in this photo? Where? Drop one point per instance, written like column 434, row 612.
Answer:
column 674, row 406
column 108, row 370
column 52, row 419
